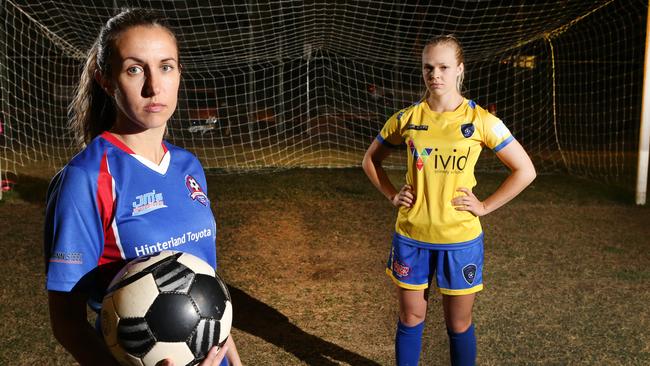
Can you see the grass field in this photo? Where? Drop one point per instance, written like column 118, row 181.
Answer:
column 567, row 273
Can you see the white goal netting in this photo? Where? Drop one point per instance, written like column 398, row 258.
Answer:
column 278, row 84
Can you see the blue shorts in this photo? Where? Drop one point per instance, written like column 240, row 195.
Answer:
column 458, row 271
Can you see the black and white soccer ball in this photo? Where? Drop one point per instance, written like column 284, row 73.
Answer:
column 167, row 305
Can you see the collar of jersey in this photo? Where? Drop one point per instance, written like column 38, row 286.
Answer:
column 158, row 168
column 459, row 112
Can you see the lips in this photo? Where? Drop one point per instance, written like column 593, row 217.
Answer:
column 154, row 107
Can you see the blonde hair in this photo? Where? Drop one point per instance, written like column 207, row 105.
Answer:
column 92, row 110
column 450, row 40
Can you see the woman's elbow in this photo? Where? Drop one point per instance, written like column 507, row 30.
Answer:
column 367, row 163
column 530, row 174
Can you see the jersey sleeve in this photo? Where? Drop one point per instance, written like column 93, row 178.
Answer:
column 391, row 134
column 73, row 235
column 496, row 135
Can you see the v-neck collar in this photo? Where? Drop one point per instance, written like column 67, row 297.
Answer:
column 158, row 168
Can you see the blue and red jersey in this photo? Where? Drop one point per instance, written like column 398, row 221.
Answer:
column 109, row 205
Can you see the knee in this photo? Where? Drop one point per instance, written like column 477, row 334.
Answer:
column 459, row 325
column 410, row 318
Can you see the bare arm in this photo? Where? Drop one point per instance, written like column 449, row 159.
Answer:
column 371, row 164
column 522, row 173
column 232, row 355
column 70, row 326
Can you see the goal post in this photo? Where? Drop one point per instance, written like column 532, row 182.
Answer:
column 644, row 133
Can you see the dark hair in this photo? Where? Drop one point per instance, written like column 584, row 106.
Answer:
column 450, row 39
column 92, row 111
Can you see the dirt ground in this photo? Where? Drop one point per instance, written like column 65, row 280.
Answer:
column 303, row 251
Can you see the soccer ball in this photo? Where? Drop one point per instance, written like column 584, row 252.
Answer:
column 167, row 305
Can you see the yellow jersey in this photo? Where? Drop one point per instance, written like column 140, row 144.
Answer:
column 442, row 151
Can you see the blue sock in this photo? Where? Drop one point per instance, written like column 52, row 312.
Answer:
column 408, row 343
column 462, row 347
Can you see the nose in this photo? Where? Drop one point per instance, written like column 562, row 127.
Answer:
column 151, row 85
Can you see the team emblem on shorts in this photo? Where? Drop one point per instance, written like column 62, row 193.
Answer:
column 400, row 269
column 196, row 193
column 469, row 273
column 467, row 129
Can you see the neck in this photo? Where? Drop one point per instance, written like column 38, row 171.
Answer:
column 444, row 103
column 147, row 143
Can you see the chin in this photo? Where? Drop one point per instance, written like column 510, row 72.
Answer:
column 153, row 123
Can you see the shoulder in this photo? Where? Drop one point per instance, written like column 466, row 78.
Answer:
column 182, row 156
column 179, row 151
column 481, row 114
column 90, row 158
column 405, row 114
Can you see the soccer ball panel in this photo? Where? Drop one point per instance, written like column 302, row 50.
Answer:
column 134, row 336
column 208, row 297
column 196, row 264
column 139, row 264
column 124, row 358
column 173, row 277
column 204, row 337
column 226, row 324
column 134, row 300
column 177, row 351
column 172, row 317
column 109, row 321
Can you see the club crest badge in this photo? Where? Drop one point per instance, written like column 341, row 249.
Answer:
column 469, row 273
column 467, row 129
column 196, row 193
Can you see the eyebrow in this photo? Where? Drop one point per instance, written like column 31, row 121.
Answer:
column 142, row 61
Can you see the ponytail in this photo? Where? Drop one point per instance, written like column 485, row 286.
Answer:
column 92, row 110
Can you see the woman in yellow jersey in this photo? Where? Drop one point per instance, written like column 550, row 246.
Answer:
column 437, row 232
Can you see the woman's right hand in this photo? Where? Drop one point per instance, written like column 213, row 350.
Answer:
column 405, row 197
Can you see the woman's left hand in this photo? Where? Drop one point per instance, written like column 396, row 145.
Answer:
column 468, row 202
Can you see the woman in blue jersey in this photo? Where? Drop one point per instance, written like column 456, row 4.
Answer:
column 128, row 192
column 437, row 231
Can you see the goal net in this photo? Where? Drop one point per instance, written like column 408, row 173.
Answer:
column 281, row 84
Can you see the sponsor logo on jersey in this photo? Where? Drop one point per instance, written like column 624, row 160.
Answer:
column 441, row 162
column 189, row 237
column 196, row 193
column 147, row 202
column 467, row 129
column 469, row 273
column 411, row 126
column 400, row 270
column 67, row 258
